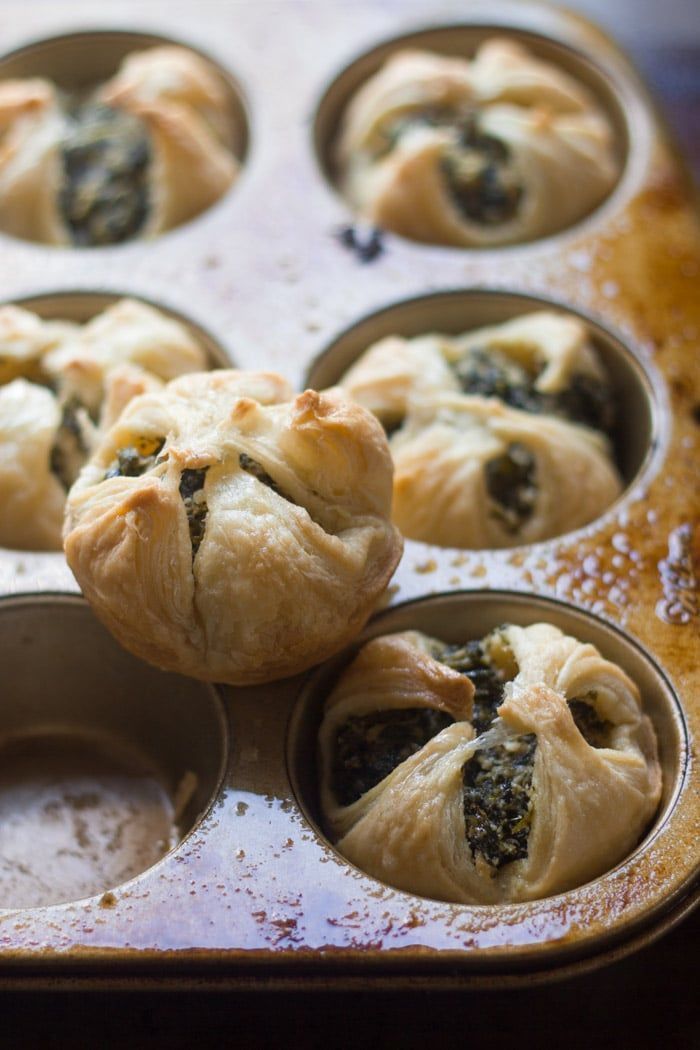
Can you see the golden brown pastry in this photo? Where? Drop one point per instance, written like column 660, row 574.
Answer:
column 148, row 151
column 63, row 383
column 499, row 436
column 498, row 149
column 474, row 473
column 129, row 332
column 32, row 494
column 25, row 339
column 498, row 771
column 231, row 531
column 392, row 372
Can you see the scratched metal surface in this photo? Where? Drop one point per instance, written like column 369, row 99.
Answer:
column 254, row 888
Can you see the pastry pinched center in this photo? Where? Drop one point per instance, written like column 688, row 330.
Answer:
column 481, row 176
column 523, row 783
column 245, row 528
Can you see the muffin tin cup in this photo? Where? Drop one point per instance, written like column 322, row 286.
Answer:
column 254, row 895
column 107, row 763
column 47, row 570
column 609, row 88
column 537, row 933
column 78, row 62
column 638, row 434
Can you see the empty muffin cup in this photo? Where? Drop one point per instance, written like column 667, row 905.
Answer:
column 107, row 763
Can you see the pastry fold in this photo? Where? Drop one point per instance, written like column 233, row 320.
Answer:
column 421, row 828
column 499, row 436
column 447, row 456
column 179, row 104
column 254, row 542
column 509, row 124
column 184, row 107
column 64, row 384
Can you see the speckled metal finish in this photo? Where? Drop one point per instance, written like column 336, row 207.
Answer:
column 254, row 895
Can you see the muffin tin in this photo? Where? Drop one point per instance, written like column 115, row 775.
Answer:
column 251, row 894
column 136, row 754
column 77, row 63
column 465, row 40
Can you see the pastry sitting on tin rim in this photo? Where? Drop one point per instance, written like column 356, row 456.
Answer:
column 502, row 770
column 62, row 384
column 148, row 150
column 498, row 149
column 229, row 530
column 500, row 436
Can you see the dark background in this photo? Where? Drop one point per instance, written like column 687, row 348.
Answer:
column 649, row 1000
column 663, row 38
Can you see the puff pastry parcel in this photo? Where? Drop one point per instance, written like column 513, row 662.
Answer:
column 494, row 150
column 499, row 436
column 148, row 150
column 63, row 384
column 228, row 530
column 503, row 770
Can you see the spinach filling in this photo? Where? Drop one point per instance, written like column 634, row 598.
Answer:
column 586, row 400
column 366, row 245
column 69, row 450
column 594, row 729
column 368, row 747
column 251, row 466
column 478, row 169
column 192, row 493
column 497, row 780
column 487, row 678
column 104, row 198
column 134, row 460
column 488, row 373
column 480, row 176
column 510, row 482
column 496, row 791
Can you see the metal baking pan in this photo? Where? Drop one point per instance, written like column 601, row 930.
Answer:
column 252, row 894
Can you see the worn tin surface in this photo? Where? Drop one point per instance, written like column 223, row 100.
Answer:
column 254, row 894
